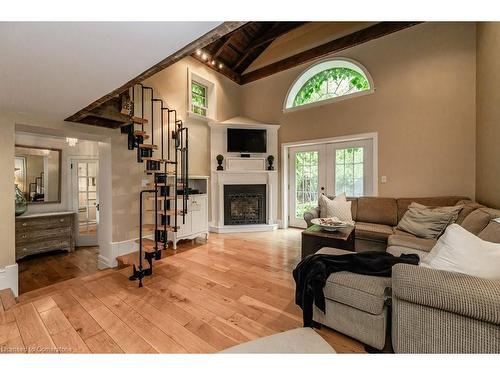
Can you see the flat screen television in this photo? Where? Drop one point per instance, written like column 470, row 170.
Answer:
column 247, row 140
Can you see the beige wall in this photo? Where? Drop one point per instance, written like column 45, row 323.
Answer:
column 488, row 114
column 423, row 108
column 171, row 85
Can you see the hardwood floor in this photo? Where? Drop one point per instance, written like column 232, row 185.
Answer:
column 38, row 271
column 202, row 299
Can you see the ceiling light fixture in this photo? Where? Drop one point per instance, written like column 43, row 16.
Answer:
column 213, row 62
column 198, row 52
column 72, row 141
column 204, row 56
column 221, row 66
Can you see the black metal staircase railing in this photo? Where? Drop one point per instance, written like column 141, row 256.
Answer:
column 163, row 191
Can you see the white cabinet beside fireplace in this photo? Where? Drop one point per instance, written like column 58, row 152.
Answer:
column 195, row 222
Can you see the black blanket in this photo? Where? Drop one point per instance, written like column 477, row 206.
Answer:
column 311, row 273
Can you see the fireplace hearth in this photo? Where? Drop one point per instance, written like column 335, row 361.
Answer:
column 244, row 204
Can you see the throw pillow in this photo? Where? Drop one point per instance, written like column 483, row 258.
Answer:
column 426, row 222
column 338, row 208
column 458, row 250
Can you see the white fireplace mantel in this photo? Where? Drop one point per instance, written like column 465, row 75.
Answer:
column 221, row 178
column 242, row 171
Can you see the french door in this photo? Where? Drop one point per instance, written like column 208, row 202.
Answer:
column 327, row 168
column 85, row 200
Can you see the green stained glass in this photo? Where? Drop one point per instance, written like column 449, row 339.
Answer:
column 331, row 83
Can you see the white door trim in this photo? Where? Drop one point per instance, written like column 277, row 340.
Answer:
column 285, row 163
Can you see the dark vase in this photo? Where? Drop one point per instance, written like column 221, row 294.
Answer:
column 21, row 204
column 220, row 167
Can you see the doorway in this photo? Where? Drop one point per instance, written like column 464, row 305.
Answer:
column 85, row 198
column 328, row 167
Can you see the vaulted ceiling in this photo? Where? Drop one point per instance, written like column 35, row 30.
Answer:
column 248, row 51
column 235, row 53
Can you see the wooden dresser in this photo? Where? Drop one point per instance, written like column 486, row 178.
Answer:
column 39, row 233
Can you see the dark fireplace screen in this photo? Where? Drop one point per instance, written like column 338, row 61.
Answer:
column 244, row 204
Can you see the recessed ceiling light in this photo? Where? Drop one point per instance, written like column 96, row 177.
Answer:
column 204, row 56
column 221, row 66
column 213, row 62
column 198, row 52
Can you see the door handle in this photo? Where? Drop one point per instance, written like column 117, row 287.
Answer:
column 97, row 206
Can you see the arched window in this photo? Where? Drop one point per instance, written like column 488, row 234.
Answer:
column 329, row 80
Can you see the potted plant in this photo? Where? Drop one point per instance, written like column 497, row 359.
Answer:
column 270, row 160
column 220, row 159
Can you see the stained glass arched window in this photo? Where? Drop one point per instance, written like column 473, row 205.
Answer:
column 330, row 79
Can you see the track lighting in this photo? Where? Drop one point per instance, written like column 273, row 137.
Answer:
column 204, row 56
column 198, row 52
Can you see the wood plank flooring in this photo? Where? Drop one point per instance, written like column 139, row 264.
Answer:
column 204, row 298
column 38, row 271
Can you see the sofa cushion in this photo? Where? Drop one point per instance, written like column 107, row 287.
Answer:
column 426, row 222
column 411, row 242
column 469, row 207
column 354, row 204
column 337, row 207
column 377, row 210
column 372, row 231
column 403, row 203
column 491, row 233
column 476, row 221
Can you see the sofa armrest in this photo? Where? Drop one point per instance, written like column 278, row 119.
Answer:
column 454, row 292
column 311, row 214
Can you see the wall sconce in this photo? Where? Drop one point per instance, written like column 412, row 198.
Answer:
column 72, row 141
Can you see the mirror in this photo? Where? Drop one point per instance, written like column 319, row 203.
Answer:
column 37, row 173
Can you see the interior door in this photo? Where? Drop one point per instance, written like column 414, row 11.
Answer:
column 307, row 180
column 86, row 200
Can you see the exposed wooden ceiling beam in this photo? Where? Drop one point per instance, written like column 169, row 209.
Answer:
column 201, row 42
column 362, row 36
column 226, row 71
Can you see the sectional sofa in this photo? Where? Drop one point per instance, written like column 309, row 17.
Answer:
column 421, row 310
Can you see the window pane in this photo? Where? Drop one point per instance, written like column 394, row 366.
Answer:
column 331, row 83
column 358, row 155
column 92, row 169
column 82, row 199
column 349, row 171
column 92, row 184
column 306, row 182
column 82, row 169
column 82, row 184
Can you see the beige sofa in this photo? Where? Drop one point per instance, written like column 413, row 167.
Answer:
column 433, row 311
column 376, row 219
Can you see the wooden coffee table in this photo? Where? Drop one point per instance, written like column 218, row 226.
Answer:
column 314, row 238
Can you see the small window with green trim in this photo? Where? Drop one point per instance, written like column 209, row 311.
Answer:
column 199, row 100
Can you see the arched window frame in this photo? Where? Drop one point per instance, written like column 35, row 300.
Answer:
column 318, row 67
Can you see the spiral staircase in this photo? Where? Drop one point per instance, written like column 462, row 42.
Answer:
column 166, row 165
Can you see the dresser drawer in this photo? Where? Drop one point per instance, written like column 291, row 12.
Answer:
column 23, row 250
column 43, row 234
column 23, row 225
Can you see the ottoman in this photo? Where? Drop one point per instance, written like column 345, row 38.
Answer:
column 356, row 305
column 295, row 341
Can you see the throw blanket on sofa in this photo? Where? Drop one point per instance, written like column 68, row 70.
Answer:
column 311, row 273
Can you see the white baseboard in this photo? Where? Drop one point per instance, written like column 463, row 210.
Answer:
column 243, row 228
column 118, row 249
column 9, row 278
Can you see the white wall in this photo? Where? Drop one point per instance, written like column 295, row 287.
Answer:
column 82, row 149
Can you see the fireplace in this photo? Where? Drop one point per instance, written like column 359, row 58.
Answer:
column 244, row 204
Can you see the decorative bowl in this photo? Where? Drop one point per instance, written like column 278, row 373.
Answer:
column 330, row 224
